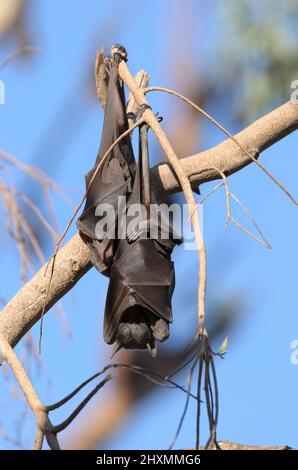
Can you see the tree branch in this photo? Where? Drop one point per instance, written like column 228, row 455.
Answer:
column 226, row 157
column 72, row 260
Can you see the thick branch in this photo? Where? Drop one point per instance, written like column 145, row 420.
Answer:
column 72, row 261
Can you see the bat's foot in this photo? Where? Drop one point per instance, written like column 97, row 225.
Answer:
column 153, row 351
column 117, row 349
column 142, row 108
column 119, row 52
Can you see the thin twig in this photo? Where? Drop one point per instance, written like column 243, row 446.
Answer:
column 210, row 193
column 199, row 405
column 229, row 217
column 252, row 220
column 202, row 111
column 189, row 382
column 148, row 374
column 60, row 427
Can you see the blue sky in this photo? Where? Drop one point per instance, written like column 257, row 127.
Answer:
column 51, row 119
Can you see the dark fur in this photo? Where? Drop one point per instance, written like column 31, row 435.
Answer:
column 138, row 304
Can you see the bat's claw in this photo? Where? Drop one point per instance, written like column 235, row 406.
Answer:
column 117, row 349
column 132, row 234
column 152, row 350
column 119, row 52
column 158, row 117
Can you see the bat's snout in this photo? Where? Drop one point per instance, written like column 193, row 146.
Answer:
column 140, row 329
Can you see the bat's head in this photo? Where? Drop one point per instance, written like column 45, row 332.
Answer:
column 140, row 329
column 119, row 50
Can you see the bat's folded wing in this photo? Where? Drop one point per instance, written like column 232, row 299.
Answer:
column 109, row 179
column 141, row 282
column 98, row 222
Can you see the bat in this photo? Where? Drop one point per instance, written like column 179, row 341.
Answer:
column 142, row 278
column 115, row 177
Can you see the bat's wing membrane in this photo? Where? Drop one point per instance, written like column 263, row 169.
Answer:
column 113, row 179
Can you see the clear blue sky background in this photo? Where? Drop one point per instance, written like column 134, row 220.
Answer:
column 258, row 383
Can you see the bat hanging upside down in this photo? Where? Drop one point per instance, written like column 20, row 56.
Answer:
column 138, row 263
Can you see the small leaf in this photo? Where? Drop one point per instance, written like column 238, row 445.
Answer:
column 224, row 346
